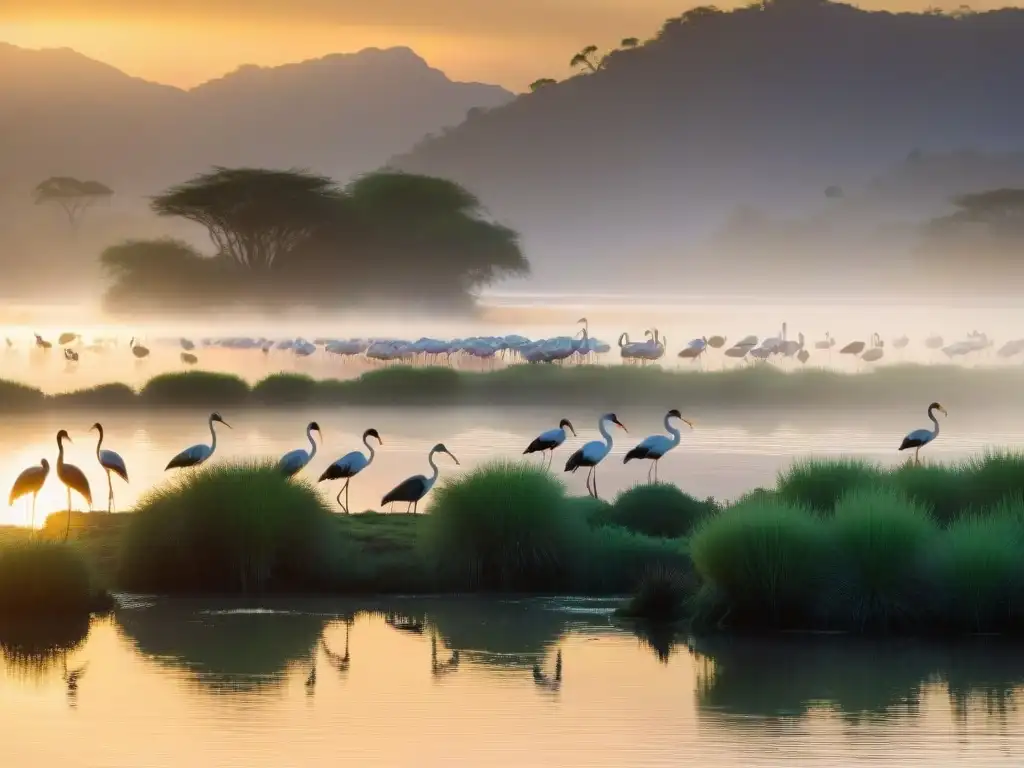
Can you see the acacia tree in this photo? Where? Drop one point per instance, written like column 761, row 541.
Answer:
column 585, row 58
column 71, row 195
column 254, row 217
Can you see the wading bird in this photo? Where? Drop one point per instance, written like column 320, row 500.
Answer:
column 30, row 481
column 921, row 437
column 188, row 358
column 138, row 350
column 195, row 455
column 591, row 454
column 548, row 441
column 72, row 477
column 350, row 465
column 656, row 446
column 111, row 461
column 293, row 461
column 418, row 486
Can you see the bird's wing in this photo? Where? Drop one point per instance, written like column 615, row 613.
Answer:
column 113, row 461
column 657, row 443
column 573, row 462
column 346, row 466
column 556, row 436
column 412, row 489
column 916, row 438
column 76, row 479
column 293, row 461
column 595, row 450
column 190, row 456
column 27, row 482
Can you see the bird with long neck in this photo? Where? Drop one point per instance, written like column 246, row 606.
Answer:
column 415, row 488
column 72, row 477
column 31, row 481
column 656, row 446
column 195, row 455
column 350, row 465
column 295, row 460
column 921, row 437
column 592, row 453
column 111, row 461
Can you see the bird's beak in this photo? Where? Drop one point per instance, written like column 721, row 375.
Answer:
column 944, row 412
column 687, row 422
column 226, row 424
column 453, row 457
column 622, row 426
column 573, row 431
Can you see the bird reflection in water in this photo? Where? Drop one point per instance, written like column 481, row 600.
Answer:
column 549, row 682
column 71, row 678
column 339, row 661
column 405, row 623
column 441, row 668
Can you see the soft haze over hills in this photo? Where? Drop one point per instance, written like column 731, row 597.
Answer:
column 65, row 114
column 631, row 167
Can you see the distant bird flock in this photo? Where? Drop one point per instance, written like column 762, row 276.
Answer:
column 411, row 490
column 513, row 348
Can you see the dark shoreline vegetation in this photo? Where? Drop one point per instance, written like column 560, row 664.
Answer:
column 596, row 386
column 838, row 545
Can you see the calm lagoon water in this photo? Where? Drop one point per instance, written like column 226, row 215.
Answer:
column 432, row 681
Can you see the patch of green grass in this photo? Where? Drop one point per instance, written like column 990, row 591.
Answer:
column 765, row 558
column 657, row 509
column 285, row 389
column 195, row 388
column 230, row 528
column 660, row 596
column 43, row 578
column 502, row 526
column 819, row 483
column 880, row 540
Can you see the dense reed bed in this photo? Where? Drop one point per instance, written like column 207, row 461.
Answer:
column 45, row 579
column 760, row 385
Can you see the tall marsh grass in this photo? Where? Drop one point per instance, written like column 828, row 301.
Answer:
column 43, row 578
column 230, row 528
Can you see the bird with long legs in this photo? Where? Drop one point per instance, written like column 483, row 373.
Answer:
column 73, row 478
column 413, row 489
column 546, row 442
column 195, row 455
column 30, row 480
column 592, row 453
column 350, row 465
column 292, row 462
column 921, row 437
column 551, row 682
column 340, row 661
column 656, row 446
column 111, row 461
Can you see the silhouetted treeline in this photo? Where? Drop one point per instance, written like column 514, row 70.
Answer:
column 286, row 238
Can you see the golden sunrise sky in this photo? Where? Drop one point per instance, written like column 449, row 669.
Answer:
column 185, row 42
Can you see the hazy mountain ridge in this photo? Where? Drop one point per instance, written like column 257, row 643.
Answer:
column 66, row 114
column 765, row 108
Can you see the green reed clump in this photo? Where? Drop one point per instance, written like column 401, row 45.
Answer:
column 660, row 596
column 100, row 396
column 880, row 539
column 977, row 573
column 502, row 526
column 230, row 528
column 658, row 509
column 587, row 508
column 763, row 559
column 820, row 483
column 611, row 560
column 43, row 578
column 285, row 389
column 196, row 388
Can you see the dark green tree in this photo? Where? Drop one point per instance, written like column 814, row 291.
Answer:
column 586, row 58
column 72, row 195
column 544, row 82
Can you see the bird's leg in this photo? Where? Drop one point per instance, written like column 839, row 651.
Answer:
column 110, row 494
column 650, row 471
column 595, row 483
column 67, row 528
column 656, row 470
column 346, row 494
column 917, row 455
column 590, row 474
column 32, row 524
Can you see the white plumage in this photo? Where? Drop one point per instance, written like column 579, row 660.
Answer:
column 293, row 461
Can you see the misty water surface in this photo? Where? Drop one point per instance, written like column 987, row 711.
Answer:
column 728, row 452
column 209, row 684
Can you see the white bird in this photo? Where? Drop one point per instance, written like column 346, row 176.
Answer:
column 592, row 453
column 901, row 342
column 827, row 343
column 350, row 465
column 412, row 489
column 111, row 461
column 876, row 351
column 656, row 446
column 293, row 461
column 197, row 454
column 921, row 437
column 548, row 441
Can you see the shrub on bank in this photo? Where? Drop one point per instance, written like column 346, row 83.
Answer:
column 765, row 558
column 285, row 389
column 660, row 596
column 502, row 526
column 231, row 528
column 880, row 540
column 196, row 388
column 43, row 578
column 818, row 484
column 657, row 509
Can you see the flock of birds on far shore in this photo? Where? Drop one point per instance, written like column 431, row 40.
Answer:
column 412, row 489
column 580, row 347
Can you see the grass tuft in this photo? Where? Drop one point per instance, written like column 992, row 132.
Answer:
column 43, row 578
column 660, row 596
column 819, row 483
column 657, row 509
column 195, row 388
column 230, row 528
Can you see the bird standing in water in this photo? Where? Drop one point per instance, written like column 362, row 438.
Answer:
column 921, row 437
column 592, row 453
column 111, row 461
column 656, row 446
column 546, row 442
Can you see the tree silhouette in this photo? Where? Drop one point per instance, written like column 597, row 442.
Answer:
column 286, row 237
column 585, row 58
column 630, row 42
column 73, row 196
column 544, row 82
